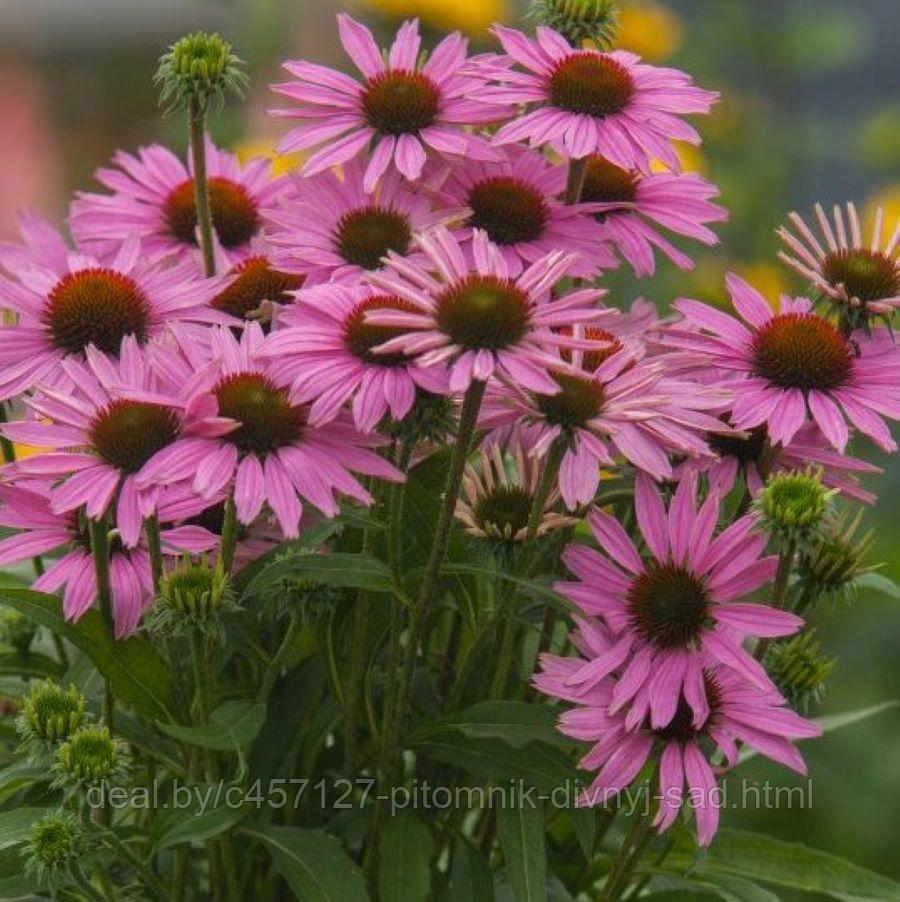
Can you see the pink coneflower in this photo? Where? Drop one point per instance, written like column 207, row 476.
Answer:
column 274, row 455
column 153, row 197
column 254, row 287
column 634, row 207
column 591, row 102
column 862, row 278
column 610, row 403
column 330, row 229
column 323, row 349
column 66, row 302
column 41, row 530
column 749, row 454
column 673, row 613
column 478, row 318
column 400, row 107
column 103, row 431
column 735, row 711
column 794, row 365
column 516, row 201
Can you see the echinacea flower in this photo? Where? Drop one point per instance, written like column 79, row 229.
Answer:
column 676, row 611
column 790, row 366
column 400, row 108
column 274, row 455
column 609, row 403
column 863, row 278
column 329, row 228
column 635, row 207
column 497, row 499
column 735, row 712
column 254, row 287
column 66, row 302
column 323, row 349
column 153, row 197
column 28, row 508
column 589, row 102
column 748, row 455
column 103, row 432
column 477, row 318
column 516, row 201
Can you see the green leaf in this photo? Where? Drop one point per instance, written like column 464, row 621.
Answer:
column 351, row 571
column 207, row 813
column 232, row 726
column 835, row 722
column 404, row 871
column 736, row 889
column 537, row 589
column 515, row 723
column 136, row 671
column 471, row 879
column 521, row 829
column 33, row 664
column 792, row 865
column 314, row 865
column 15, row 825
column 18, row 775
column 879, row 583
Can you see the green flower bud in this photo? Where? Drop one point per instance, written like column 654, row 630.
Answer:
column 579, row 20
column 89, row 758
column 49, row 715
column 16, row 630
column 794, row 504
column 199, row 67
column 192, row 595
column 799, row 670
column 56, row 844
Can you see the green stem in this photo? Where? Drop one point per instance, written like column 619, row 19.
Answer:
column 229, row 536
column 86, row 886
column 150, row 879
column 154, row 543
column 197, row 124
column 575, row 180
column 545, row 487
column 504, row 647
column 100, row 553
column 779, row 588
column 628, row 858
column 273, row 670
column 392, row 735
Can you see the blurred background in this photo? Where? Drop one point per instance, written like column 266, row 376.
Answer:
column 810, row 112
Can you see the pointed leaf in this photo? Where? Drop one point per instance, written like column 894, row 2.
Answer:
column 521, row 829
column 404, row 871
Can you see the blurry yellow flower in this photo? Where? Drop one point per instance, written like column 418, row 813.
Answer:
column 469, row 16
column 888, row 198
column 651, row 30
column 692, row 158
column 258, row 147
column 767, row 278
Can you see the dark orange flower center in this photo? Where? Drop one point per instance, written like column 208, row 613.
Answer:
column 579, row 400
column 96, row 306
column 234, row 213
column 268, row 419
column 255, row 281
column 398, row 102
column 484, row 312
column 801, row 350
column 126, row 434
column 606, row 183
column 590, row 83
column 508, row 209
column 865, row 275
column 360, row 337
column 668, row 606
column 363, row 237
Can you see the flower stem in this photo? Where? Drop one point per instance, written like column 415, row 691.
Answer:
column 575, row 180
column 392, row 735
column 277, row 662
column 154, row 543
column 150, row 879
column 779, row 587
column 197, row 124
column 229, row 536
column 100, row 554
column 628, row 858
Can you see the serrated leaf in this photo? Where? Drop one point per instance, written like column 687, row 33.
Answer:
column 136, row 671
column 232, row 727
column 521, row 830
column 313, row 863
column 406, row 849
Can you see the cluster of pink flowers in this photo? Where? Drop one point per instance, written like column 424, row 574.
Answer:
column 431, row 242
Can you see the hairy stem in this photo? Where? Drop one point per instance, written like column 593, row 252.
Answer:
column 575, row 180
column 100, row 554
column 197, row 126
column 229, row 536
column 779, row 588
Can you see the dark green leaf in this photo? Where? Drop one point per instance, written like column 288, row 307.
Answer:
column 232, row 726
column 404, row 870
column 471, row 879
column 521, row 829
column 138, row 674
column 206, row 813
column 18, row 775
column 515, row 723
column 314, row 865
column 33, row 664
column 792, row 865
